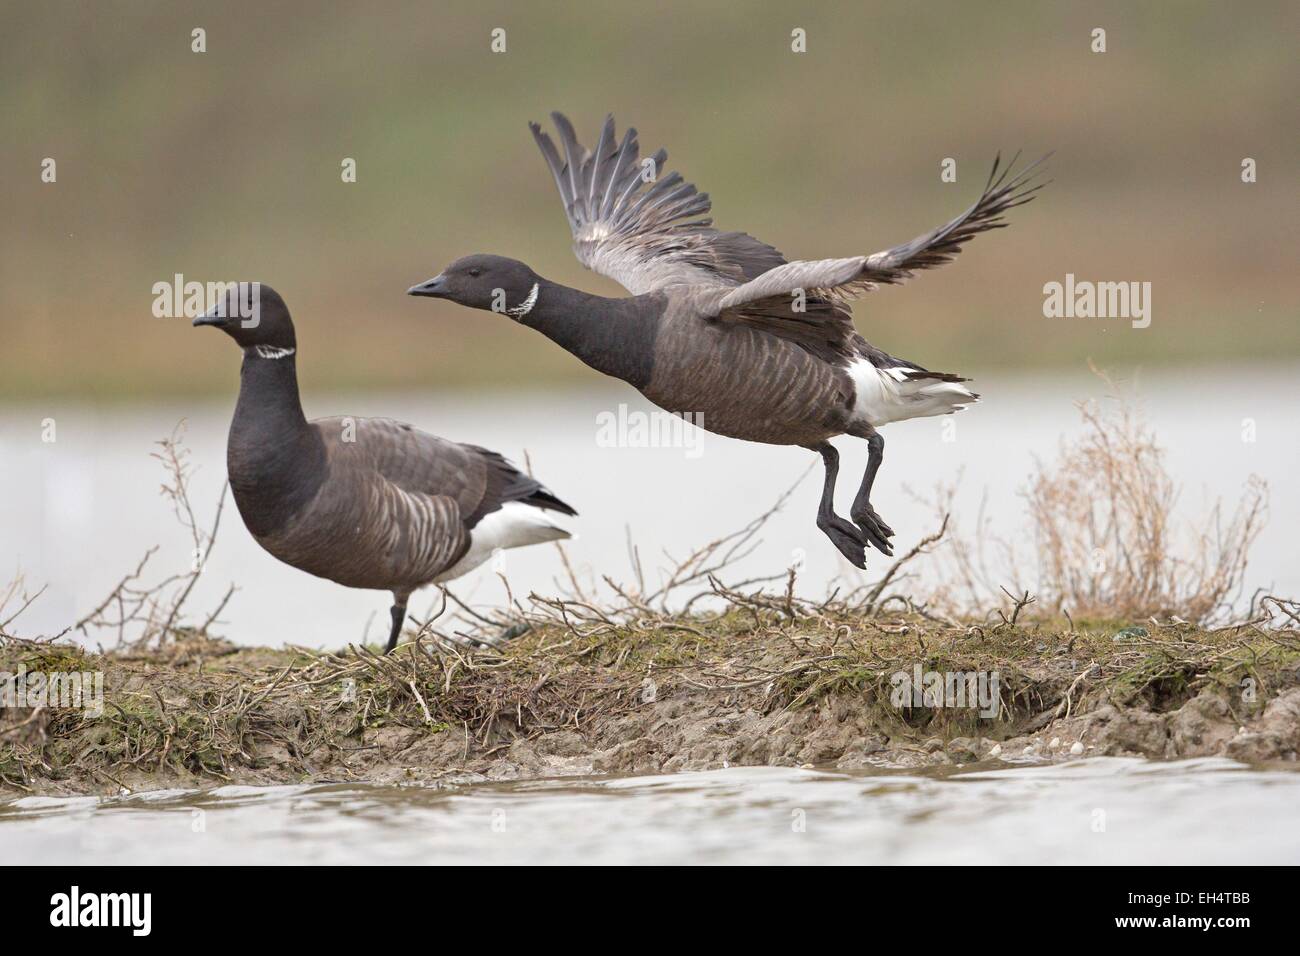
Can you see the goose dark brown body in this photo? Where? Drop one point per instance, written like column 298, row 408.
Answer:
column 380, row 516
column 719, row 325
column 364, row 502
column 739, row 382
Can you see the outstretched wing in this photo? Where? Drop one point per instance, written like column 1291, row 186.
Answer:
column 638, row 227
column 840, row 279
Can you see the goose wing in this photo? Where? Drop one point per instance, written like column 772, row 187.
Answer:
column 637, row 226
column 422, row 495
column 478, row 480
column 838, row 280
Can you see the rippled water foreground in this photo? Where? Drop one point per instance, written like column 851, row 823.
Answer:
column 1104, row 810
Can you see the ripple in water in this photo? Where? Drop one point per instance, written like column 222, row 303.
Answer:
column 1103, row 811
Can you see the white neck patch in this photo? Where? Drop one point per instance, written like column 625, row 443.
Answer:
column 271, row 352
column 523, row 308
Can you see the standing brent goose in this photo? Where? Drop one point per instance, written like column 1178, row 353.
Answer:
column 365, row 502
column 719, row 324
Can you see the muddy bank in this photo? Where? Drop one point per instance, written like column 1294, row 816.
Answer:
column 763, row 685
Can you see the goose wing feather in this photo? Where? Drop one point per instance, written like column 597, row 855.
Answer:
column 845, row 278
column 425, row 493
column 809, row 300
column 637, row 226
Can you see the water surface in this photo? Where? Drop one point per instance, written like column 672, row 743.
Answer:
column 1094, row 811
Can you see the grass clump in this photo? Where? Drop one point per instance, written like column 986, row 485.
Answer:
column 288, row 715
column 1105, row 541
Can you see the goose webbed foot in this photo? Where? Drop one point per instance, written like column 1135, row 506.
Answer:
column 874, row 528
column 843, row 534
column 846, row 537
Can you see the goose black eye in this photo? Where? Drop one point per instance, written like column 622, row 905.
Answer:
column 476, row 272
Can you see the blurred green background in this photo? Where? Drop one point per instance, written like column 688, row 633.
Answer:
column 226, row 165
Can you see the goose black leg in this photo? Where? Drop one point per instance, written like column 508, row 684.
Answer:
column 842, row 533
column 863, row 515
column 399, row 617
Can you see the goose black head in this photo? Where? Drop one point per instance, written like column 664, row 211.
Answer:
column 484, row 282
column 253, row 315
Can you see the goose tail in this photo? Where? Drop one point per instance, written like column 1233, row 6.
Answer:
column 516, row 524
column 897, row 393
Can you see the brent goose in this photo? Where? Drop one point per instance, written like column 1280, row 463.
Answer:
column 365, row 502
column 719, row 324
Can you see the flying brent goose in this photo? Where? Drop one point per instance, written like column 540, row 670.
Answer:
column 719, row 324
column 364, row 502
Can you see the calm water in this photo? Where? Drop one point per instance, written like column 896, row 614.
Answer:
column 78, row 512
column 1099, row 811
